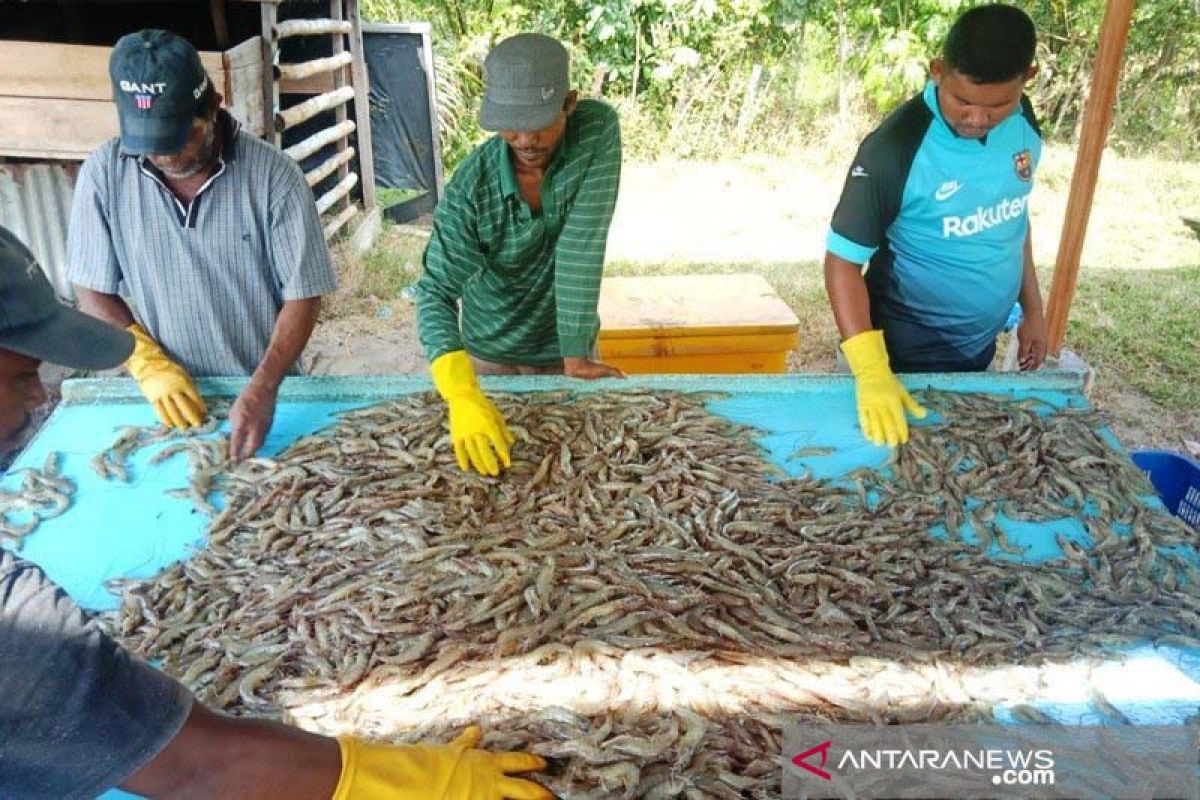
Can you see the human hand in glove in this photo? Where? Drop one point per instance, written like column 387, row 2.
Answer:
column 455, row 771
column 165, row 384
column 882, row 400
column 477, row 430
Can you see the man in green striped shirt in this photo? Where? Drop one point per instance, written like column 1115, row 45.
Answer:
column 518, row 241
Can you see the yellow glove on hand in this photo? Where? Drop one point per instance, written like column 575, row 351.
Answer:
column 455, row 771
column 476, row 427
column 166, row 385
column 882, row 400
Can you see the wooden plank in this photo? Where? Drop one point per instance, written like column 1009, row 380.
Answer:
column 1097, row 117
column 362, row 106
column 340, row 220
column 243, row 84
column 54, row 128
column 435, row 128
column 270, row 89
column 304, row 149
column 80, row 72
column 69, row 71
column 220, row 21
column 316, row 84
column 326, row 169
column 49, row 127
column 247, row 54
column 293, row 116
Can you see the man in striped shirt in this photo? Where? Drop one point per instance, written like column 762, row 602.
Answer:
column 518, row 241
column 212, row 234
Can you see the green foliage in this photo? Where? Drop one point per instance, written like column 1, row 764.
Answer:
column 680, row 70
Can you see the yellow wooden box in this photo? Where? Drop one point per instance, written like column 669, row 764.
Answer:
column 695, row 324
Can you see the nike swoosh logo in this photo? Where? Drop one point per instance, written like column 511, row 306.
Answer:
column 947, row 190
column 547, row 92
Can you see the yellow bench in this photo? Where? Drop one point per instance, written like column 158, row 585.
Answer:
column 696, row 324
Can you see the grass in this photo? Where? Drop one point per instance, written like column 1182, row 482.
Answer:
column 388, row 197
column 1142, row 329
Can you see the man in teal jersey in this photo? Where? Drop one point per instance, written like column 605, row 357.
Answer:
column 930, row 245
column 513, row 267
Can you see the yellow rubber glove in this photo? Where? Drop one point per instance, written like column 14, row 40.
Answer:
column 455, row 771
column 166, row 385
column 476, row 427
column 882, row 400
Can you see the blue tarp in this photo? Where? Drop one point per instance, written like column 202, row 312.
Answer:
column 134, row 530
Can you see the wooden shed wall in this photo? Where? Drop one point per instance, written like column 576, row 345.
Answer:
column 56, row 99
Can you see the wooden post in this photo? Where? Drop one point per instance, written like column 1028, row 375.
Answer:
column 362, row 106
column 270, row 88
column 220, row 23
column 337, row 14
column 1097, row 116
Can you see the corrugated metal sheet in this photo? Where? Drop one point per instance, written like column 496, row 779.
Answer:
column 35, row 203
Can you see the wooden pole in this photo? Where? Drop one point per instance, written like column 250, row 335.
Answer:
column 1097, row 116
column 270, row 89
column 306, row 69
column 291, row 117
column 330, row 165
column 220, row 21
column 337, row 12
column 362, row 106
column 308, row 27
column 304, row 149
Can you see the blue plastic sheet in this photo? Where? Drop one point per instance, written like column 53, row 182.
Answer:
column 135, row 530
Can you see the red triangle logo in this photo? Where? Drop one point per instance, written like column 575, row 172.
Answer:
column 802, row 760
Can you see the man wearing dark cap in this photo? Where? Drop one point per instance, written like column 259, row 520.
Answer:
column 518, row 240
column 79, row 714
column 929, row 246
column 211, row 233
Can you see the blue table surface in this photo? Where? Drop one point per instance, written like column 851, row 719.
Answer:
column 135, row 530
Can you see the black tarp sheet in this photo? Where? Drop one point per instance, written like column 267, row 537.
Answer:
column 401, row 130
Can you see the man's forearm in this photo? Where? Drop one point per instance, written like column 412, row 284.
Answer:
column 847, row 290
column 215, row 756
column 437, row 320
column 292, row 331
column 108, row 307
column 1031, row 294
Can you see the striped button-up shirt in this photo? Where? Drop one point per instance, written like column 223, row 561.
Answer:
column 528, row 282
column 206, row 279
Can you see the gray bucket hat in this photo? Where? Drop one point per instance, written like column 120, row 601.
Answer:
column 34, row 323
column 528, row 78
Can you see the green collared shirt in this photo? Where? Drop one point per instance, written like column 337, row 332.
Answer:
column 528, row 282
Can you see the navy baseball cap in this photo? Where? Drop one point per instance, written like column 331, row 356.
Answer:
column 527, row 81
column 158, row 85
column 34, row 323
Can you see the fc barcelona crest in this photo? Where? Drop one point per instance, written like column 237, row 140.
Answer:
column 1024, row 165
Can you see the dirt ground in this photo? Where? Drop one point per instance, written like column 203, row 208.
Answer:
column 771, row 215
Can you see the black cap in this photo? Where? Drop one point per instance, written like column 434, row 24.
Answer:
column 158, row 85
column 34, row 323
